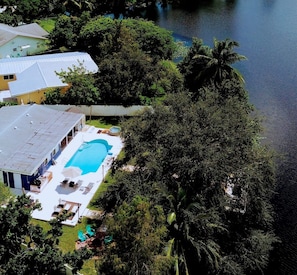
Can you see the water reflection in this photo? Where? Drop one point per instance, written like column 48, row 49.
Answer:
column 267, row 37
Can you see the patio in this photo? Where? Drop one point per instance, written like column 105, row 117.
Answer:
column 79, row 191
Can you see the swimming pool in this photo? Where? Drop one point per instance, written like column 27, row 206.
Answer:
column 90, row 155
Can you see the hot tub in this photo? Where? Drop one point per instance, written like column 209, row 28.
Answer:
column 114, row 130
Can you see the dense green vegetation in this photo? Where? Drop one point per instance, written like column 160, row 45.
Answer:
column 26, row 249
column 198, row 197
column 133, row 56
column 186, row 154
column 5, row 193
column 29, row 10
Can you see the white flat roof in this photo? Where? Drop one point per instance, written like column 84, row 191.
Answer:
column 28, row 133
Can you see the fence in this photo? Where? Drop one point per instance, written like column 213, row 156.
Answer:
column 102, row 110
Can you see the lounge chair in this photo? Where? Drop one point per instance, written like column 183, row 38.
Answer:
column 67, row 207
column 90, row 231
column 71, row 184
column 88, row 188
column 64, row 182
column 108, row 239
column 81, row 236
column 78, row 184
column 62, row 202
column 74, row 209
column 57, row 209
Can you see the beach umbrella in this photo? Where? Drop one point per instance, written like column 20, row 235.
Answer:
column 72, row 172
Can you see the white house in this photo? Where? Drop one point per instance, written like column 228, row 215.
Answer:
column 28, row 78
column 31, row 138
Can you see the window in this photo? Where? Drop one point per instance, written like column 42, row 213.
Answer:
column 8, row 77
column 25, row 47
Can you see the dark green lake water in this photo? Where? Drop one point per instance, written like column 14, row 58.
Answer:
column 267, row 33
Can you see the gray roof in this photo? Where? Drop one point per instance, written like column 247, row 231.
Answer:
column 19, row 64
column 28, row 133
column 33, row 30
column 42, row 70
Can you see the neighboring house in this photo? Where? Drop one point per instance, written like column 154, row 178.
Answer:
column 31, row 138
column 28, row 78
column 22, row 40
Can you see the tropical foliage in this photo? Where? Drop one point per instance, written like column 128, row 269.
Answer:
column 66, row 31
column 203, row 64
column 27, row 249
column 133, row 59
column 198, row 156
column 81, row 90
column 101, row 36
column 28, row 10
column 5, row 193
column 198, row 196
column 184, row 154
column 139, row 230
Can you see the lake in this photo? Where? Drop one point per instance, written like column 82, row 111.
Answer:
column 267, row 33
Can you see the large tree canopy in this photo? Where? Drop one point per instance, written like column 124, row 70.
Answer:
column 101, row 32
column 138, row 229
column 132, row 59
column 66, row 30
column 202, row 161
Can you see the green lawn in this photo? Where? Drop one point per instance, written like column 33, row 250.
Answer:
column 104, row 122
column 68, row 239
column 47, row 24
column 102, row 188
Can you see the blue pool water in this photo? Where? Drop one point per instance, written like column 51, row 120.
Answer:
column 90, row 155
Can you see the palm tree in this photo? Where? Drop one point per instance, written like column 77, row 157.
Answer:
column 194, row 63
column 80, row 4
column 218, row 62
column 192, row 229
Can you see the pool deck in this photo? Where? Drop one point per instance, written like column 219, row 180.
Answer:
column 53, row 192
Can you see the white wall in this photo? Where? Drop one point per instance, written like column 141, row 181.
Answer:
column 103, row 110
